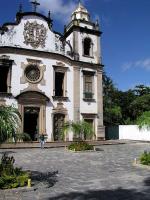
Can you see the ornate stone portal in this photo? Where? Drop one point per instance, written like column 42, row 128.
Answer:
column 33, row 102
column 34, row 34
column 60, row 115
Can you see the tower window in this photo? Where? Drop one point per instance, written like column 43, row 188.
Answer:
column 87, row 47
column 88, row 87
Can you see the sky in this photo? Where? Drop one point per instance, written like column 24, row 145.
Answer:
column 125, row 41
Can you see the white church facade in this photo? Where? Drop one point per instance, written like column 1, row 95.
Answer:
column 51, row 77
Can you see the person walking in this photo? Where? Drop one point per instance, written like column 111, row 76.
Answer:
column 42, row 141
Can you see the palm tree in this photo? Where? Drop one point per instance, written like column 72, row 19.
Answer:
column 10, row 120
column 81, row 129
column 144, row 121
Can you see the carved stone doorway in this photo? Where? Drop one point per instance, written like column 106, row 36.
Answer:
column 32, row 105
column 58, row 122
column 31, row 122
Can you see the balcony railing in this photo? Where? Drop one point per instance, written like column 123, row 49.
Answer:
column 88, row 95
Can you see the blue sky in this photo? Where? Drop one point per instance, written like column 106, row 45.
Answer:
column 126, row 33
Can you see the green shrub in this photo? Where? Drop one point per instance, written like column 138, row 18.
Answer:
column 145, row 158
column 10, row 176
column 25, row 137
column 80, row 146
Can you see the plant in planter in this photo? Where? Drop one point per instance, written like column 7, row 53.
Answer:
column 10, row 176
column 80, row 146
column 81, row 130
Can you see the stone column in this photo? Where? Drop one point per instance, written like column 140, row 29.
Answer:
column 42, row 117
column 100, row 127
column 76, row 96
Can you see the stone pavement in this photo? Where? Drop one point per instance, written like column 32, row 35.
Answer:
column 61, row 175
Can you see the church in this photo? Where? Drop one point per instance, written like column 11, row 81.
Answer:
column 51, row 77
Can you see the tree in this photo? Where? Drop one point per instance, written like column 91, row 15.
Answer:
column 112, row 109
column 10, row 120
column 140, row 105
column 141, row 90
column 123, row 107
column 144, row 120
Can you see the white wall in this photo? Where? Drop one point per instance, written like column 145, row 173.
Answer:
column 132, row 132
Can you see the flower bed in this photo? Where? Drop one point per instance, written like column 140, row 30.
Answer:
column 10, row 176
column 80, row 146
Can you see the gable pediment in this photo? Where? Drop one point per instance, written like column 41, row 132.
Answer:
column 33, row 31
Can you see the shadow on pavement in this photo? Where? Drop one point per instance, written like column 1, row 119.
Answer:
column 118, row 194
column 147, row 181
column 46, row 179
column 7, row 152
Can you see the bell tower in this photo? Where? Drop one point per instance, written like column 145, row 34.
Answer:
column 84, row 36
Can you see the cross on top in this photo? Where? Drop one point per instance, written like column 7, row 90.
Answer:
column 35, row 4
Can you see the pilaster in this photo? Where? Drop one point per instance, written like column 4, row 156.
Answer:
column 76, row 94
column 100, row 127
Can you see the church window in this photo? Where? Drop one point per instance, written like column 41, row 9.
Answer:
column 87, row 47
column 4, row 78
column 59, row 84
column 5, row 75
column 88, row 78
column 32, row 73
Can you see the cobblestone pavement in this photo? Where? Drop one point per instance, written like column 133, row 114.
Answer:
column 61, row 175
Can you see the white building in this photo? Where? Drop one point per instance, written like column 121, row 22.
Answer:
column 51, row 77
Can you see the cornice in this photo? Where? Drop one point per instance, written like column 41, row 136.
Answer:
column 49, row 55
column 82, row 30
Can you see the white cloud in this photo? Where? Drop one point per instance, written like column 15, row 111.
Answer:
column 144, row 64
column 60, row 9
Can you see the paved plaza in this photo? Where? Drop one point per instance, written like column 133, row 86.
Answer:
column 107, row 174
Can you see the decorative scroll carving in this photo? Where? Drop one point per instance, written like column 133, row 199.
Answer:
column 59, row 45
column 34, row 34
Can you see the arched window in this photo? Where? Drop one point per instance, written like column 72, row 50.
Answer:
column 87, row 47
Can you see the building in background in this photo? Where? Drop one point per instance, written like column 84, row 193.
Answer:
column 50, row 77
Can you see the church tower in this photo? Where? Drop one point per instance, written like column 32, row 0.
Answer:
column 84, row 37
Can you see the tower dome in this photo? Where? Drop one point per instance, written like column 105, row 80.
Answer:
column 81, row 13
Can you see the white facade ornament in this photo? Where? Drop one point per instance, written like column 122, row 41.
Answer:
column 34, row 34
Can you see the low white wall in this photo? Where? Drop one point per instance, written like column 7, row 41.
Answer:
column 132, row 132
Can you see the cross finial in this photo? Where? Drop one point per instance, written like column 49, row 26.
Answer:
column 49, row 14
column 35, row 4
column 20, row 7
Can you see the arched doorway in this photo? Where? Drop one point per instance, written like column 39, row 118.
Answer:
column 58, row 121
column 32, row 107
column 60, row 115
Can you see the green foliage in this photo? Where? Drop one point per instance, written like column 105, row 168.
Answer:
column 145, row 158
column 81, row 129
column 144, row 121
column 10, row 176
column 10, row 120
column 80, row 146
column 25, row 137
